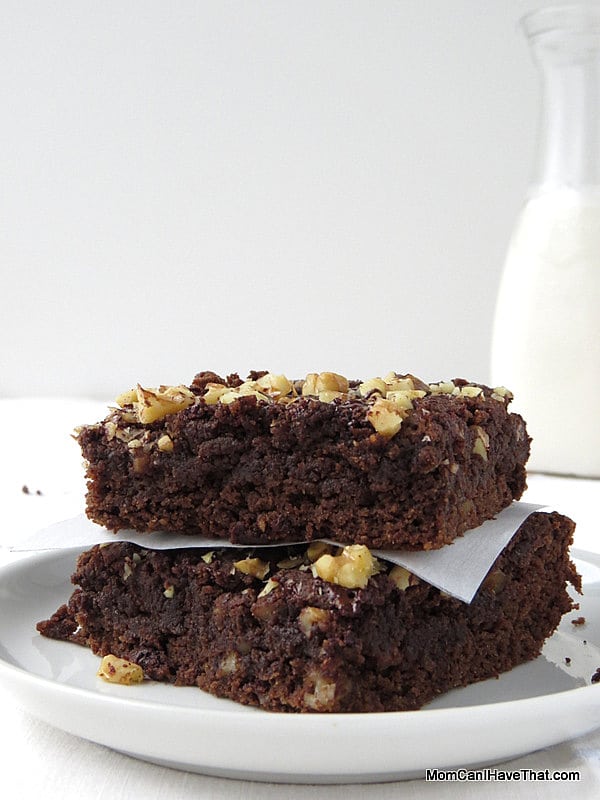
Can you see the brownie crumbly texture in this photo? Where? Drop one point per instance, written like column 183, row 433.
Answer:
column 389, row 462
column 299, row 629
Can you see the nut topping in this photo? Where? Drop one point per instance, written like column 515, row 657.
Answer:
column 385, row 416
column 389, row 400
column 253, row 566
column 275, row 385
column 351, row 569
column 310, row 618
column 321, row 694
column 331, row 382
column 268, row 587
column 401, row 576
column 165, row 444
column 119, row 670
column 482, row 443
column 373, row 385
column 154, row 404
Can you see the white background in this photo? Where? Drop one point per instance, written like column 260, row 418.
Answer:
column 291, row 185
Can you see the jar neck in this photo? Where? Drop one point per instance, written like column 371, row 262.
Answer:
column 566, row 49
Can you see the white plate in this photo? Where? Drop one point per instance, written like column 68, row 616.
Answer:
column 535, row 705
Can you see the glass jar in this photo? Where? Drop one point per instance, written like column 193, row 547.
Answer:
column 546, row 337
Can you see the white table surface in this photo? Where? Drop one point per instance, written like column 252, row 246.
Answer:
column 44, row 762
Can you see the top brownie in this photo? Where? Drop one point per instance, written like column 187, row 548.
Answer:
column 389, row 462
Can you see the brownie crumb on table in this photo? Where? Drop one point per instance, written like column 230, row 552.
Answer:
column 388, row 462
column 26, row 490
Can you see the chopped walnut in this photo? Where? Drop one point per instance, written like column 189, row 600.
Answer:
column 253, row 566
column 444, row 387
column 229, row 664
column 373, row 385
column 309, row 387
column 351, row 569
column 245, row 390
column 214, row 392
column 329, row 395
column 401, row 576
column 321, row 692
column 275, row 385
column 316, row 549
column 127, row 398
column 119, row 670
column 331, row 382
column 403, row 398
column 165, row 444
column 502, row 392
column 471, row 391
column 397, row 383
column 268, row 587
column 482, row 443
column 154, row 404
column 311, row 617
column 385, row 416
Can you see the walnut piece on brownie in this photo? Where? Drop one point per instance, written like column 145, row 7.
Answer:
column 119, row 670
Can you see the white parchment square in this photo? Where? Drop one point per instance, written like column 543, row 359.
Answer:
column 457, row 569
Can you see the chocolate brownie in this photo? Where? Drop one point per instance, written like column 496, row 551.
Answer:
column 390, row 463
column 296, row 629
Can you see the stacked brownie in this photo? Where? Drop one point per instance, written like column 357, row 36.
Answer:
column 289, row 622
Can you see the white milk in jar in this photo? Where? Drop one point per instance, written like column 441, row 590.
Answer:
column 546, row 339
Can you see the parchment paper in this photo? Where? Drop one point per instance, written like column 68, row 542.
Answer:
column 457, row 569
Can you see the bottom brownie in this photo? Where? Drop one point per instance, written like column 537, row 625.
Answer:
column 297, row 629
